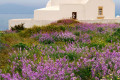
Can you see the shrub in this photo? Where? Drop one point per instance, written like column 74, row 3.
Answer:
column 67, row 21
column 117, row 33
column 91, row 38
column 111, row 39
column 62, row 28
column 18, row 28
column 83, row 44
column 26, row 33
column 46, row 38
column 115, row 29
column 77, row 33
column 100, row 29
column 89, row 31
column 53, row 28
column 11, row 38
column 1, row 46
column 43, row 29
column 66, row 36
column 50, row 28
column 20, row 46
column 114, row 37
column 70, row 56
column 0, row 41
column 30, row 31
column 85, row 38
column 97, row 46
column 84, row 73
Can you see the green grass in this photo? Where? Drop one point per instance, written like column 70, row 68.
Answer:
column 12, row 40
column 22, row 40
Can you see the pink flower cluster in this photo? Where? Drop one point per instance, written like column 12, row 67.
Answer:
column 62, row 36
column 54, row 70
column 103, row 64
column 93, row 27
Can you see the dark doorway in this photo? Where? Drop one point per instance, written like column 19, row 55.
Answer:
column 74, row 15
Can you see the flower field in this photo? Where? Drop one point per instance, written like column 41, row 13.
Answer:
column 63, row 50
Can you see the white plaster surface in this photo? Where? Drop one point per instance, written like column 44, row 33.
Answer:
column 101, row 21
column 30, row 22
column 86, row 9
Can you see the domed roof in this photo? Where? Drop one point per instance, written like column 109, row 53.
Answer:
column 58, row 2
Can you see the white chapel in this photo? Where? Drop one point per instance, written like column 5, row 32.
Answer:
column 91, row 11
column 76, row 9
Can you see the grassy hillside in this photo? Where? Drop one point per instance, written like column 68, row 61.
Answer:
column 63, row 50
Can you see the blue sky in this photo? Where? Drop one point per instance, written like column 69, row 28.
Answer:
column 28, row 6
column 24, row 2
column 31, row 2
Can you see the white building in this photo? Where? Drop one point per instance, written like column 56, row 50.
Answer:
column 76, row 9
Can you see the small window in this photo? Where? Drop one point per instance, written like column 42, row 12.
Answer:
column 74, row 15
column 100, row 10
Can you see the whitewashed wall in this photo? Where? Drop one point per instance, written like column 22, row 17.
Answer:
column 92, row 9
column 30, row 22
column 64, row 11
column 46, row 15
column 59, row 2
column 67, row 9
column 88, row 11
column 102, row 21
